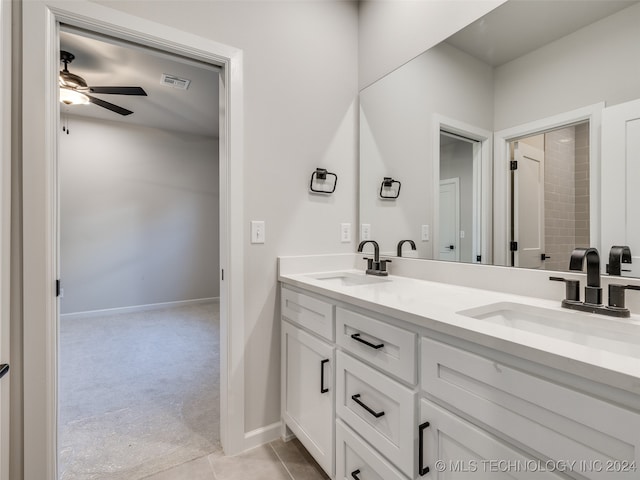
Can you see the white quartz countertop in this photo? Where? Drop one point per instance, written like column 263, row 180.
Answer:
column 437, row 306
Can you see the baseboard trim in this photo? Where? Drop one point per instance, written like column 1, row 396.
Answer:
column 138, row 308
column 261, row 435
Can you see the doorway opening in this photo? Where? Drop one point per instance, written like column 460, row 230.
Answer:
column 464, row 152
column 459, row 201
column 139, row 324
column 550, row 197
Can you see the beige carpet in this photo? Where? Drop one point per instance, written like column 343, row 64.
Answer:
column 138, row 392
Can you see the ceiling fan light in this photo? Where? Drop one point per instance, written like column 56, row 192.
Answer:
column 72, row 97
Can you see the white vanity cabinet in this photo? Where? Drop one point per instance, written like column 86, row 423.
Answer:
column 407, row 403
column 452, row 448
column 308, row 398
column 547, row 418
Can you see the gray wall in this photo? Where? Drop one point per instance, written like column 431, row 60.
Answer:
column 138, row 216
column 594, row 64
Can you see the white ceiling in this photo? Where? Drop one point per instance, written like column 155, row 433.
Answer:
column 105, row 62
column 520, row 26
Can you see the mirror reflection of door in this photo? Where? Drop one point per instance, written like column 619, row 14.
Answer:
column 528, row 203
column 449, row 219
column 459, row 203
column 550, row 197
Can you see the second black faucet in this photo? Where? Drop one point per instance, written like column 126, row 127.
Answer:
column 375, row 266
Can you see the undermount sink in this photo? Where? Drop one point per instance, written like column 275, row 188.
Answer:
column 348, row 279
column 613, row 335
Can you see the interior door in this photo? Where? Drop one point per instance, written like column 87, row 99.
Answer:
column 620, row 177
column 528, row 206
column 449, row 221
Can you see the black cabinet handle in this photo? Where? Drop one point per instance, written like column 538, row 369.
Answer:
column 4, row 368
column 355, row 474
column 322, row 389
column 356, row 398
column 356, row 337
column 421, row 469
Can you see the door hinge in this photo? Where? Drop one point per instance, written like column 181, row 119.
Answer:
column 222, row 274
column 513, row 165
column 513, row 246
column 58, row 287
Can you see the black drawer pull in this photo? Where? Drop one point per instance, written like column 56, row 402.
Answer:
column 322, row 389
column 421, row 469
column 356, row 398
column 356, row 337
column 355, row 474
column 4, row 368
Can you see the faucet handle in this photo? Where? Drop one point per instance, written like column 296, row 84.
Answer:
column 383, row 265
column 369, row 262
column 616, row 294
column 572, row 288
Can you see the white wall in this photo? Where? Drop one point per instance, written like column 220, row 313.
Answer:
column 300, row 80
column 397, row 137
column 594, row 64
column 138, row 216
column 392, row 32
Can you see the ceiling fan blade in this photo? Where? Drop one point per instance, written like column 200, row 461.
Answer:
column 119, row 90
column 109, row 106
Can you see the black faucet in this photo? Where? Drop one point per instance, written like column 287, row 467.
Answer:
column 617, row 256
column 402, row 242
column 375, row 266
column 593, row 290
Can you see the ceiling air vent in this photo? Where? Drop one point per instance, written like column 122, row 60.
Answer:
column 175, row 82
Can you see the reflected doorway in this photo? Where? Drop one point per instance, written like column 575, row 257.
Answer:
column 549, row 197
column 459, row 201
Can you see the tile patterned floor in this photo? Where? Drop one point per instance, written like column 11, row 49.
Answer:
column 274, row 461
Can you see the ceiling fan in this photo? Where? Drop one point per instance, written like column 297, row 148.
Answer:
column 74, row 89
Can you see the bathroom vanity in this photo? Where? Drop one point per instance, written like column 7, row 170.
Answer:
column 398, row 378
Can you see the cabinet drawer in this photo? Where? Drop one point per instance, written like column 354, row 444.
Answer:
column 378, row 408
column 311, row 313
column 453, row 448
column 391, row 348
column 356, row 459
column 555, row 421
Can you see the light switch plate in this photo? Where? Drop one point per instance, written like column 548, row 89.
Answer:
column 365, row 231
column 425, row 233
column 257, row 231
column 345, row 232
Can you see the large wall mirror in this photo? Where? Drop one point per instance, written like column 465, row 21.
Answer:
column 494, row 135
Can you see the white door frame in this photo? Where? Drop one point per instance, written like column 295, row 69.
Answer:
column 482, row 185
column 5, row 226
column 502, row 187
column 41, row 19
